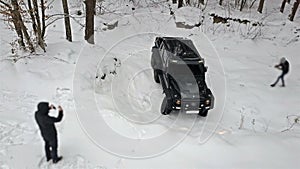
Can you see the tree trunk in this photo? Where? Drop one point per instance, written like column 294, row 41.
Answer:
column 180, row 3
column 37, row 17
column 32, row 17
column 27, row 37
column 17, row 26
column 40, row 38
column 221, row 2
column 188, row 2
column 20, row 24
column 260, row 6
column 252, row 3
column 236, row 2
column 243, row 3
column 89, row 21
column 67, row 21
column 282, row 6
column 43, row 19
column 174, row 1
column 294, row 10
column 288, row 1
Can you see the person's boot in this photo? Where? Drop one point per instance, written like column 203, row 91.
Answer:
column 48, row 158
column 272, row 85
column 57, row 159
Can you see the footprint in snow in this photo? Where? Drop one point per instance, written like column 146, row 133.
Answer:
column 75, row 162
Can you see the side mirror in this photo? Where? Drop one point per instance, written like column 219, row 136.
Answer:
column 205, row 68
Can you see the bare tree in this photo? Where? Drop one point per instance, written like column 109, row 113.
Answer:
column 236, row 2
column 294, row 10
column 243, row 3
column 35, row 14
column 67, row 20
column 15, row 22
column 20, row 28
column 40, row 32
column 261, row 6
column 220, row 2
column 89, row 20
column 43, row 7
column 282, row 6
column 38, row 23
column 30, row 11
column 180, row 3
column 252, row 3
column 19, row 21
column 188, row 2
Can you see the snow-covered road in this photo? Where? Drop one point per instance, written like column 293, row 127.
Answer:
column 109, row 122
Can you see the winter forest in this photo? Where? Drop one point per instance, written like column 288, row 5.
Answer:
column 104, row 84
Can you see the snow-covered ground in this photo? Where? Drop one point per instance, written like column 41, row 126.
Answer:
column 116, row 122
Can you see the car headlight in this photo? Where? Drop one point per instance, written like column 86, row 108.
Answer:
column 178, row 102
column 207, row 102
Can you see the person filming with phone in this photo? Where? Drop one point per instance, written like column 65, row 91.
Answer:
column 47, row 128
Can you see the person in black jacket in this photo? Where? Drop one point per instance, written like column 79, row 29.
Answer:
column 48, row 130
column 284, row 66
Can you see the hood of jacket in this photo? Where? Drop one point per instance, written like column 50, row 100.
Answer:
column 282, row 60
column 43, row 108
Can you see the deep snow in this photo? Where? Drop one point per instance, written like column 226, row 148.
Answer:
column 108, row 122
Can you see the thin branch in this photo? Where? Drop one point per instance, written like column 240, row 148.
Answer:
column 5, row 4
column 50, row 16
column 49, row 23
column 252, row 4
column 289, row 128
column 62, row 16
column 205, row 6
column 295, row 121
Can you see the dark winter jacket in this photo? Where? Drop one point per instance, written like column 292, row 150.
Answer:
column 45, row 122
column 284, row 67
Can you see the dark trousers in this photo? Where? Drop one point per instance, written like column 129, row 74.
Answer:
column 51, row 149
column 282, row 79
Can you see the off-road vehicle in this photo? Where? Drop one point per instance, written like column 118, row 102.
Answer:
column 180, row 69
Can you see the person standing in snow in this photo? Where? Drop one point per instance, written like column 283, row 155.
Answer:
column 284, row 66
column 48, row 130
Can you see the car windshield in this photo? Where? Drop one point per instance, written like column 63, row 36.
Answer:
column 181, row 47
column 188, row 85
column 190, row 76
column 186, row 69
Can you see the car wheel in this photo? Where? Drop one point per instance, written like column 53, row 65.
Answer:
column 165, row 107
column 156, row 78
column 203, row 113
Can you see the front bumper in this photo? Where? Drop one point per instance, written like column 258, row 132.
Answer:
column 192, row 106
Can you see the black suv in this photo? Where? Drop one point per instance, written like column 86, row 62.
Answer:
column 180, row 70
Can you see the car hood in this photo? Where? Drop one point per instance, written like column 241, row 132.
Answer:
column 190, row 89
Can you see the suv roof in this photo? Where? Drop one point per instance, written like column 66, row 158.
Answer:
column 189, row 52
